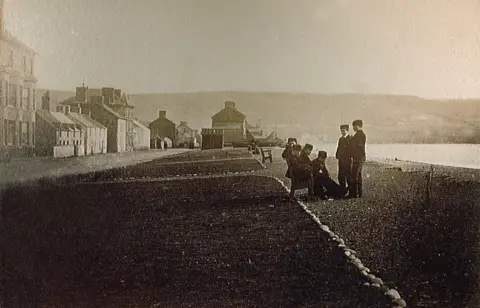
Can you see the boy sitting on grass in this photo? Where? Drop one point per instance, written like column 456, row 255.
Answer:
column 324, row 186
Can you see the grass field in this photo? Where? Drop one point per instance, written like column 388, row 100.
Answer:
column 216, row 242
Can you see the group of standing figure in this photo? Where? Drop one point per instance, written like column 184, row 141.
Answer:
column 350, row 154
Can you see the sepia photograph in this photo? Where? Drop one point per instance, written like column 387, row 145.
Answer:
column 239, row 153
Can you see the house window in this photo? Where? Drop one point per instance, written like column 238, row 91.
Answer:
column 2, row 99
column 34, row 99
column 24, row 64
column 10, row 59
column 29, row 95
column 21, row 97
column 6, row 94
column 33, row 133
column 5, row 131
column 26, row 103
column 25, row 132
column 11, row 130
column 20, row 131
column 12, row 95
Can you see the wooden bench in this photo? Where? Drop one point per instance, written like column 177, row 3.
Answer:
column 297, row 184
column 266, row 154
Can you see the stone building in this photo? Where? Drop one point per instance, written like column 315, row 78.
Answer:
column 162, row 130
column 17, row 95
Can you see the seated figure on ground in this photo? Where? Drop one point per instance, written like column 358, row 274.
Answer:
column 324, row 186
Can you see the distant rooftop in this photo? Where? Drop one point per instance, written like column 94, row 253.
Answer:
column 54, row 118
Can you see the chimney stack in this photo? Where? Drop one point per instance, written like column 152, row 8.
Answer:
column 45, row 100
column 80, row 94
column 183, row 122
column 230, row 104
column 108, row 94
column 76, row 109
column 162, row 114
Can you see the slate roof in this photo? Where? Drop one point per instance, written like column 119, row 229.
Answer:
column 55, row 118
column 85, row 120
column 163, row 119
column 228, row 108
column 118, row 115
column 139, row 124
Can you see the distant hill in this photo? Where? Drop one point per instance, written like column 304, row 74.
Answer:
column 388, row 118
column 316, row 117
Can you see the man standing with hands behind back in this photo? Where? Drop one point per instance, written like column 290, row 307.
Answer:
column 344, row 157
column 357, row 148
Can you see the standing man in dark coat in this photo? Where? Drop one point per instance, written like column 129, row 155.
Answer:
column 289, row 148
column 288, row 152
column 357, row 147
column 344, row 157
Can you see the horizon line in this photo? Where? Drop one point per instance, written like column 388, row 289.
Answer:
column 283, row 92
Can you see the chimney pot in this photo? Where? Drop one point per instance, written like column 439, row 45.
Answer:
column 162, row 114
column 230, row 104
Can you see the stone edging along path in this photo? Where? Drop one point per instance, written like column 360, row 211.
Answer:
column 374, row 281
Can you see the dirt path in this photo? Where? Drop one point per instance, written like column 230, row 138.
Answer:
column 20, row 170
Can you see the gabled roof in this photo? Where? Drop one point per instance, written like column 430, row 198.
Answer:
column 139, row 124
column 250, row 125
column 128, row 101
column 54, row 118
column 84, row 120
column 185, row 125
column 228, row 108
column 162, row 119
column 113, row 112
column 262, row 136
column 145, row 123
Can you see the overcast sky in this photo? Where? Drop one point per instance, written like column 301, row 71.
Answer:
column 429, row 48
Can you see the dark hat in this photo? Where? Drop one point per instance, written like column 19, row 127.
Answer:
column 291, row 140
column 358, row 123
column 308, row 146
column 344, row 126
column 297, row 147
column 322, row 154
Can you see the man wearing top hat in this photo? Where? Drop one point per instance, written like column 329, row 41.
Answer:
column 357, row 148
column 343, row 156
